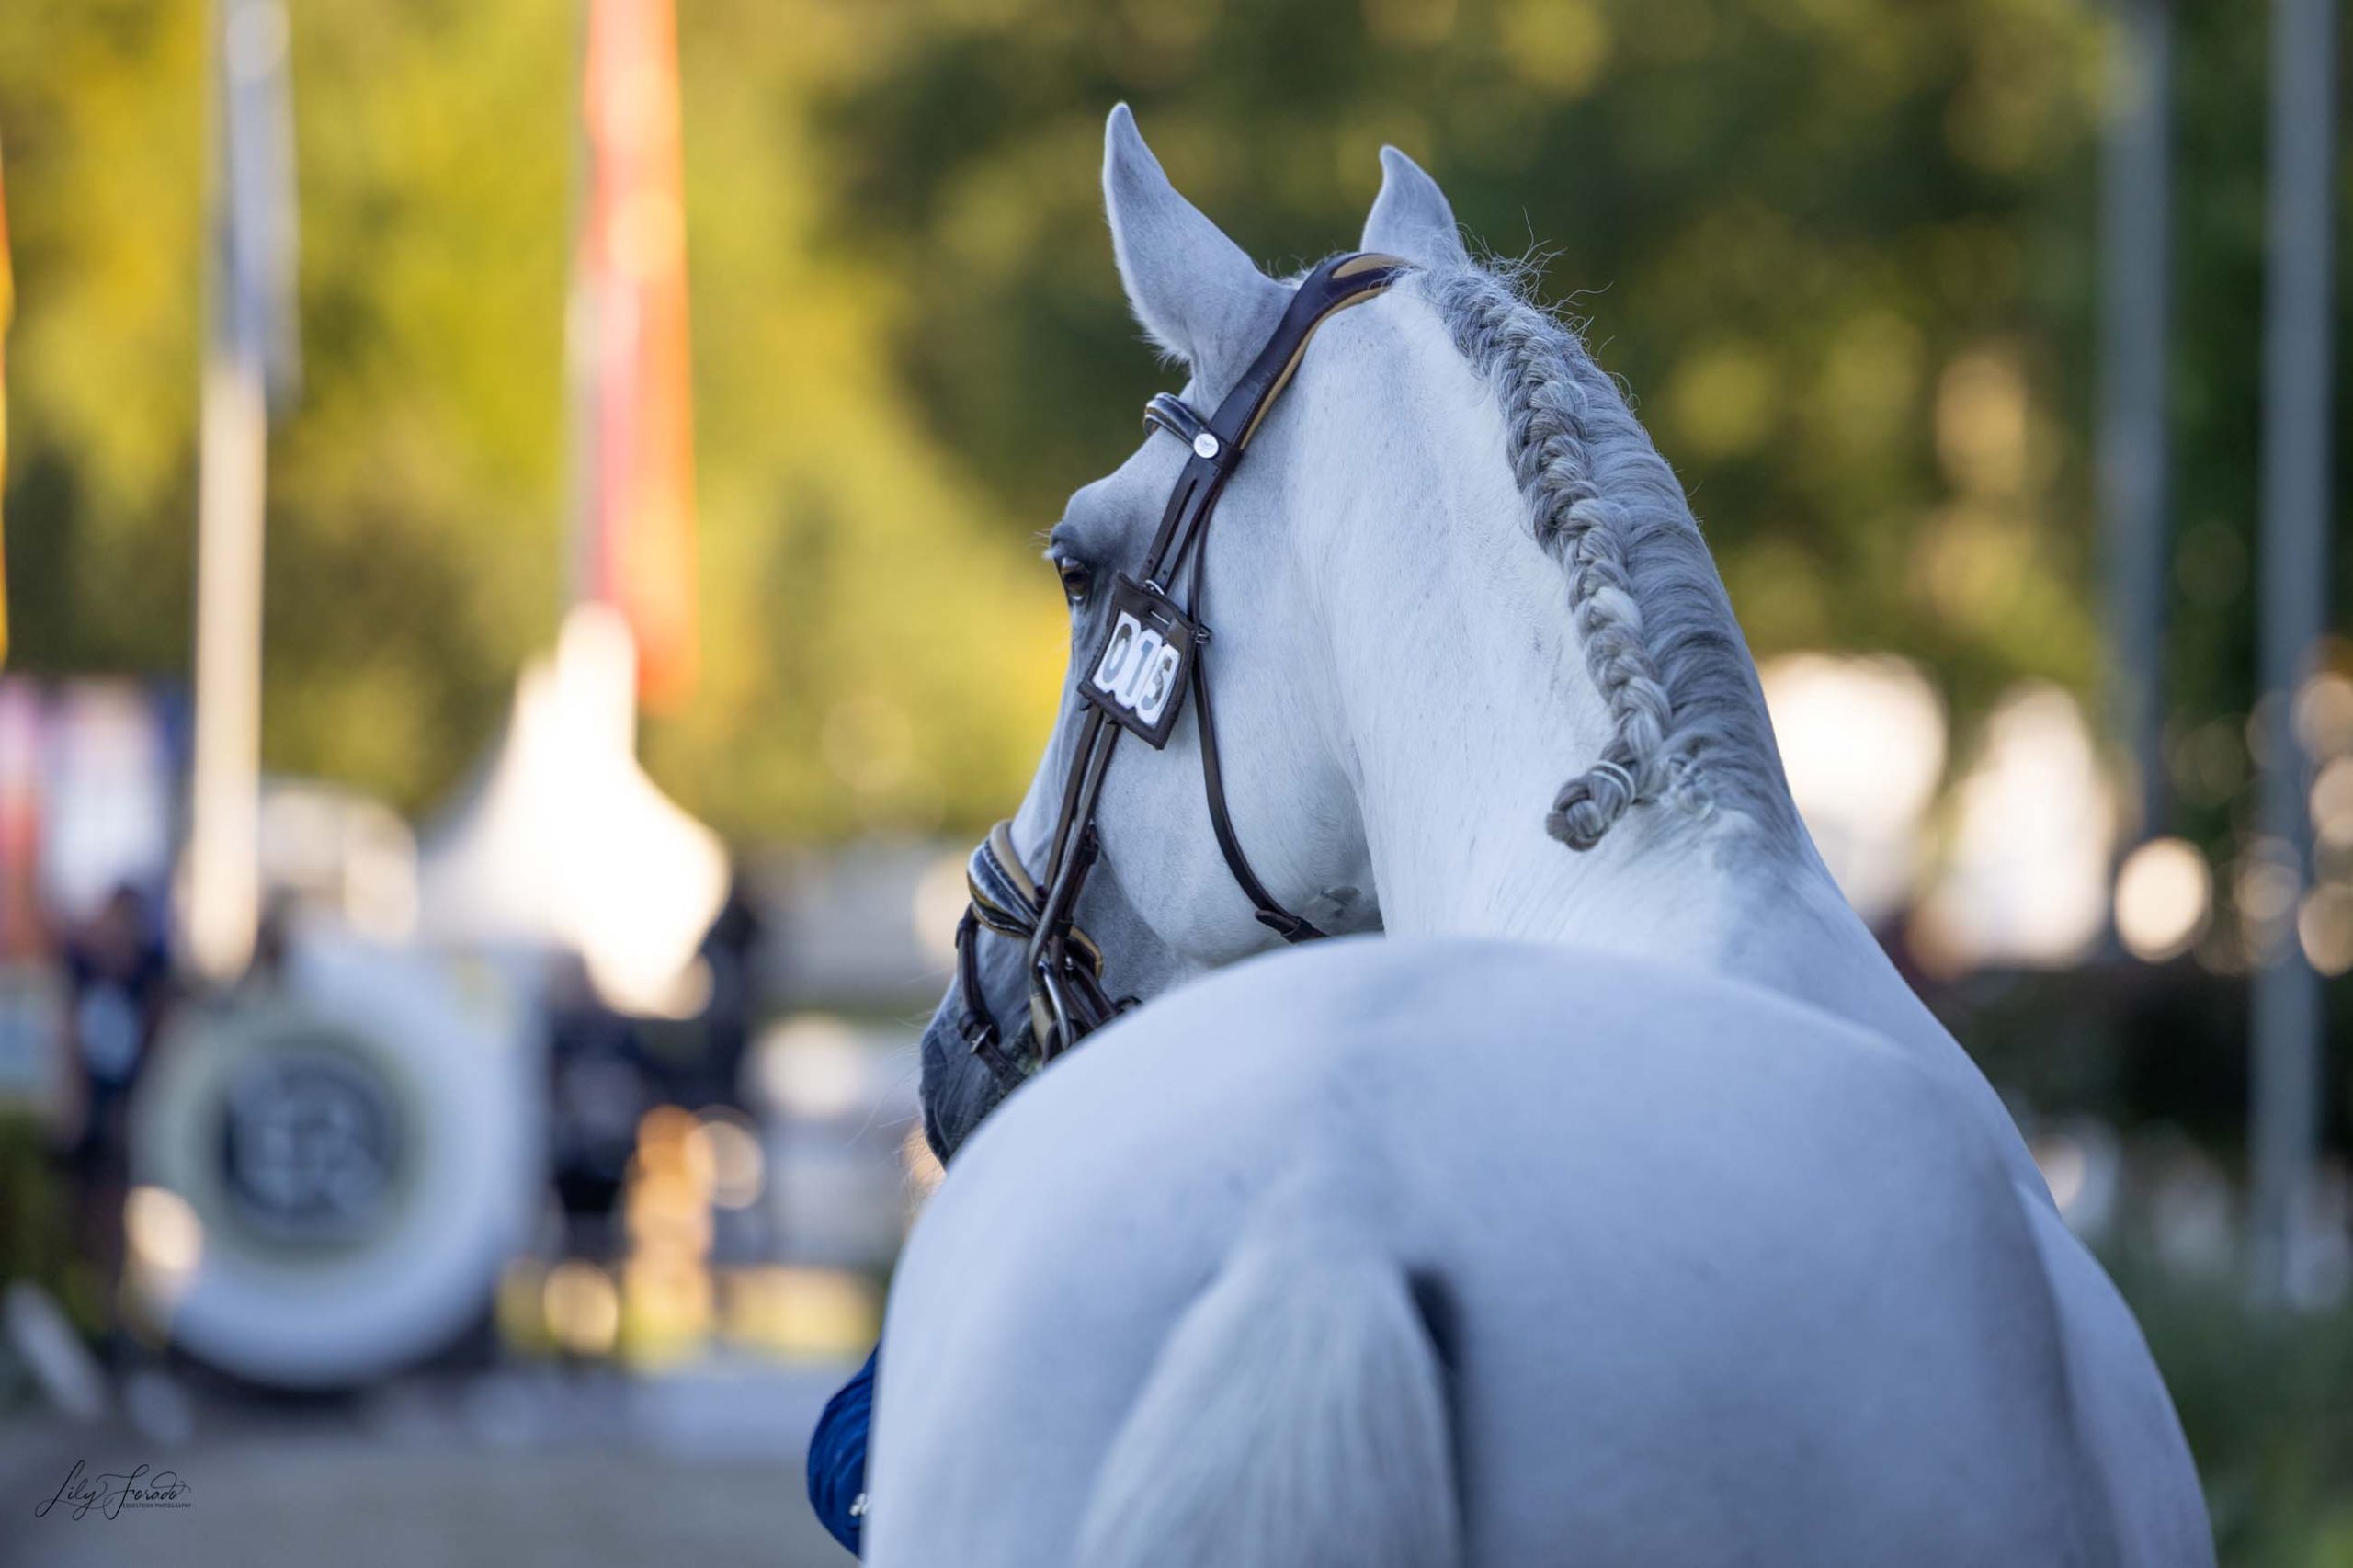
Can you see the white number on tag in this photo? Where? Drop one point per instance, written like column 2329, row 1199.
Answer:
column 1139, row 677
column 1148, row 649
column 1116, row 655
column 1157, row 681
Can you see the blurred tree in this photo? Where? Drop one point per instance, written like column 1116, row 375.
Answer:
column 875, row 659
column 2218, row 412
column 100, row 107
column 1840, row 251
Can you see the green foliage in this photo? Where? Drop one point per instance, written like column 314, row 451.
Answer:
column 100, row 116
column 33, row 1240
column 876, row 656
column 2262, row 1398
column 2216, row 405
column 1841, row 252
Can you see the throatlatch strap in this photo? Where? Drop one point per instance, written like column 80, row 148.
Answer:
column 1270, row 912
column 1217, row 446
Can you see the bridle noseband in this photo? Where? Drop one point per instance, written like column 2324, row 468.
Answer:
column 1150, row 656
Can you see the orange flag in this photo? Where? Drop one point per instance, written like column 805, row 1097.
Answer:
column 633, row 425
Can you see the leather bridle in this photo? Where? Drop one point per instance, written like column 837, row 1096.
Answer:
column 1150, row 656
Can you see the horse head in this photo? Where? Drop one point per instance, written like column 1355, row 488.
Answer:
column 1385, row 657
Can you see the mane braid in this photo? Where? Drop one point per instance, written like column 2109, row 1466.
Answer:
column 1688, row 723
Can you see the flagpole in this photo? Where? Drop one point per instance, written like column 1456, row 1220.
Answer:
column 2285, row 1023
column 245, row 343
column 224, row 855
column 2136, row 214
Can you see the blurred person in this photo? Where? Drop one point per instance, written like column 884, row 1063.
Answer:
column 730, row 950
column 599, row 1088
column 119, row 987
column 696, row 1061
column 273, row 943
column 118, row 971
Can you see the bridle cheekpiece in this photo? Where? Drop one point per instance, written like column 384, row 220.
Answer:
column 1150, row 656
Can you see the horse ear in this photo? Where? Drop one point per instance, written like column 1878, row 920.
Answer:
column 1193, row 289
column 1410, row 217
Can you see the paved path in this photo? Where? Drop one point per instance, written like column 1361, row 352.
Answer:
column 701, row 1471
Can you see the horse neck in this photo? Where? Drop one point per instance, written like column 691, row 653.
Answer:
column 1456, row 757
column 1463, row 704
column 1454, row 777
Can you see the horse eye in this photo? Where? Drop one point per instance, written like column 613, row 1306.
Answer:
column 1077, row 581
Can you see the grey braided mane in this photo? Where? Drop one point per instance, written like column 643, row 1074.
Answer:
column 1686, row 719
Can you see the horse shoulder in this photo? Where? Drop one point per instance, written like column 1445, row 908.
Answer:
column 2124, row 1418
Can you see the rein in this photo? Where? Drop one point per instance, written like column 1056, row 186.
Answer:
column 1150, row 656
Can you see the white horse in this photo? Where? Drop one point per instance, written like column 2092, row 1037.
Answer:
column 1621, row 1205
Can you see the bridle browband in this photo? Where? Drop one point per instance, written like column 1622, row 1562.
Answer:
column 1150, row 656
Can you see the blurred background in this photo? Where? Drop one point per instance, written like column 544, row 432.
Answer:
column 521, row 534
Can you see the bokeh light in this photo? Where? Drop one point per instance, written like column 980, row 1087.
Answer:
column 1863, row 743
column 164, row 1240
column 2325, row 927
column 2164, row 894
column 583, row 1309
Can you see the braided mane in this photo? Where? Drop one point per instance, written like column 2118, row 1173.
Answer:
column 1688, row 724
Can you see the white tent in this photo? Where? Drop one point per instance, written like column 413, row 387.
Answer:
column 563, row 840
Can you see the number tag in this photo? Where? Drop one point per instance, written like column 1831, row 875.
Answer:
column 1138, row 675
